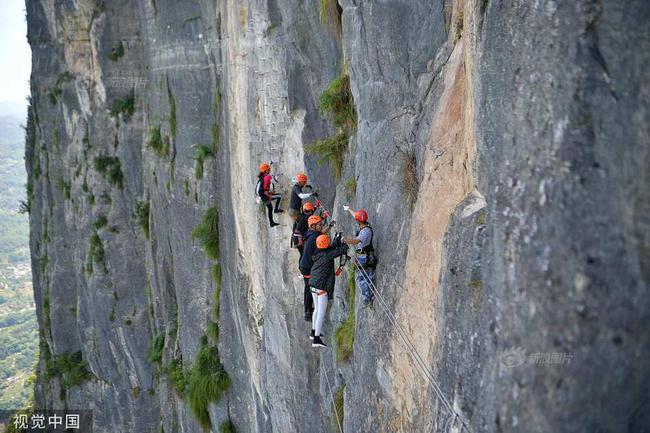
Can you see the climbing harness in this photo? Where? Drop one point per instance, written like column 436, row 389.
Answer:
column 344, row 259
column 415, row 356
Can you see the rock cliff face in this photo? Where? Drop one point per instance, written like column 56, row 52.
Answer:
column 500, row 148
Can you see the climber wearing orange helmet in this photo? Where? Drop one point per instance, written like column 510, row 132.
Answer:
column 365, row 254
column 316, row 227
column 301, row 226
column 297, row 196
column 264, row 190
column 322, row 281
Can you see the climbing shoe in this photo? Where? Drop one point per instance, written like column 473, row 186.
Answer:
column 367, row 303
column 312, row 334
column 273, row 224
column 278, row 211
column 318, row 342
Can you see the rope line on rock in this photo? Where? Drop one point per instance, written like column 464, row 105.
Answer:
column 415, row 356
column 336, row 412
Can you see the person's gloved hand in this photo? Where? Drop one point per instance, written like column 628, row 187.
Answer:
column 315, row 194
column 332, row 223
column 346, row 208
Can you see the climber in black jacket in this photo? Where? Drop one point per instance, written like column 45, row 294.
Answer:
column 316, row 227
column 323, row 273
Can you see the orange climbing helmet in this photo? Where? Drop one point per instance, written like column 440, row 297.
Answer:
column 308, row 206
column 264, row 167
column 322, row 242
column 301, row 177
column 361, row 216
column 314, row 219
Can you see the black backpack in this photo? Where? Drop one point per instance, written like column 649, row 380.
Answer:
column 369, row 251
column 259, row 190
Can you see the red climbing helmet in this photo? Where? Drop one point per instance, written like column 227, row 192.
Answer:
column 301, row 177
column 308, row 206
column 361, row 216
column 264, row 167
column 322, row 242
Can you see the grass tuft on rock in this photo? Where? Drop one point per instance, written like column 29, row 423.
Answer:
column 176, row 376
column 337, row 104
column 330, row 17
column 156, row 352
column 65, row 188
column 96, row 252
column 339, row 407
column 227, row 427
column 207, row 233
column 206, row 381
column 100, row 222
column 202, row 153
column 157, row 143
column 344, row 334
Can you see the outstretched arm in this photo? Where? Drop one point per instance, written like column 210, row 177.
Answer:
column 349, row 209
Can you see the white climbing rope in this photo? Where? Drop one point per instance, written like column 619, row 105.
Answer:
column 336, row 412
column 415, row 356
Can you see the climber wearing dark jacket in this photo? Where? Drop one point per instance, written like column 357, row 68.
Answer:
column 301, row 226
column 315, row 224
column 297, row 196
column 323, row 273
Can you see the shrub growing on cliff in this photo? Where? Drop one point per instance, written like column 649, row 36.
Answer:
column 116, row 52
column 157, row 143
column 207, row 232
column 96, row 252
column 100, row 222
column 206, row 381
column 337, row 103
column 125, row 107
column 344, row 335
column 69, row 367
column 111, row 167
column 331, row 150
column 143, row 212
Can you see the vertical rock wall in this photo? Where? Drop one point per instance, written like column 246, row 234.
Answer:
column 500, row 151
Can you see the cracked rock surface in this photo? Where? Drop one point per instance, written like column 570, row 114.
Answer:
column 501, row 151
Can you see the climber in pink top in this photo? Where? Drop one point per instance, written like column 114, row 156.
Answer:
column 264, row 190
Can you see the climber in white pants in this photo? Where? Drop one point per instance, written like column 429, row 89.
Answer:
column 321, row 281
